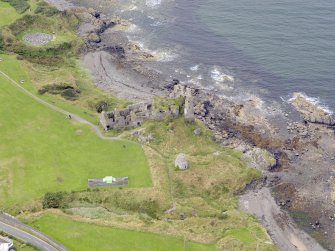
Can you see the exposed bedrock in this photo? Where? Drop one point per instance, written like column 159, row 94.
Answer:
column 311, row 111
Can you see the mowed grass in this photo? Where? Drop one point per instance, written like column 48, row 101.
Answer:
column 84, row 236
column 42, row 150
column 7, row 13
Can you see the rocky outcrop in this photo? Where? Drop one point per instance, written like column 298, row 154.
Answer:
column 311, row 111
column 181, row 162
column 260, row 159
column 197, row 131
column 93, row 24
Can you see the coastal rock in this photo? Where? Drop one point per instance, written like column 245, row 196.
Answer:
column 197, row 131
column 181, row 162
column 94, row 12
column 260, row 159
column 94, row 37
column 311, row 111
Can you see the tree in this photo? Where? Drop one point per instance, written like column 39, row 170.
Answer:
column 53, row 200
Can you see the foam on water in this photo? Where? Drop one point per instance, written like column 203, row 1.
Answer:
column 153, row 3
column 313, row 100
column 220, row 77
column 133, row 28
column 194, row 68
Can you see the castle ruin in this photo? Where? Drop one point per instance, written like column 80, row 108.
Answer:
column 159, row 109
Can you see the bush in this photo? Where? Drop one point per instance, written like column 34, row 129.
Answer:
column 2, row 42
column 22, row 24
column 53, row 200
column 45, row 9
column 66, row 91
column 101, row 106
column 150, row 207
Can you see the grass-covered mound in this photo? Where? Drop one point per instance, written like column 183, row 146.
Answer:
column 42, row 151
column 54, row 64
column 49, row 21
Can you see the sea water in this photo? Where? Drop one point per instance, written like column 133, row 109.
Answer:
column 272, row 48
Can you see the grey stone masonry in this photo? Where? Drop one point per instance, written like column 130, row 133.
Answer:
column 134, row 115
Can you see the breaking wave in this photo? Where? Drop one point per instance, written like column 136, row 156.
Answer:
column 219, row 76
column 313, row 100
column 153, row 3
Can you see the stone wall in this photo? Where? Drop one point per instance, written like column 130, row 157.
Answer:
column 134, row 115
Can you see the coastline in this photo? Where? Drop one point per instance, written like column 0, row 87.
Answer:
column 240, row 126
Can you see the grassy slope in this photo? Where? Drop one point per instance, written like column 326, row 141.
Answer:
column 7, row 13
column 50, row 163
column 85, row 236
column 70, row 72
column 42, row 150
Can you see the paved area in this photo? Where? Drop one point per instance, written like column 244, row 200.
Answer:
column 15, row 228
column 38, row 38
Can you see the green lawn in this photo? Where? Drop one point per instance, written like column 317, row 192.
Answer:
column 84, row 236
column 7, row 13
column 42, row 150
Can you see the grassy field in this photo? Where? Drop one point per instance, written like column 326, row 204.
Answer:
column 84, row 236
column 44, row 151
column 41, row 151
column 36, row 76
column 8, row 14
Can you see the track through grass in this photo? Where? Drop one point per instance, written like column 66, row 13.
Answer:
column 42, row 150
column 84, row 236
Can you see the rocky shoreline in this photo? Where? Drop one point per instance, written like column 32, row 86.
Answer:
column 296, row 157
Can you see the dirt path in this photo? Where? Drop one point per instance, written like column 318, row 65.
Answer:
column 57, row 109
column 285, row 234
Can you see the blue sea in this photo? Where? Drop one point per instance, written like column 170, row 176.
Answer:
column 257, row 47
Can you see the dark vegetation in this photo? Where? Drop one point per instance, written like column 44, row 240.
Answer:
column 53, row 200
column 45, row 9
column 2, row 42
column 19, row 5
column 66, row 91
column 101, row 106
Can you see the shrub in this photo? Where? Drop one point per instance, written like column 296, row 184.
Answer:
column 150, row 207
column 45, row 9
column 53, row 200
column 101, row 106
column 2, row 42
column 66, row 91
